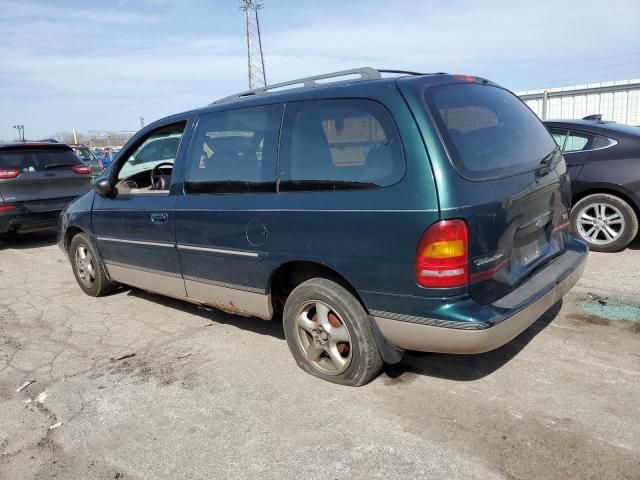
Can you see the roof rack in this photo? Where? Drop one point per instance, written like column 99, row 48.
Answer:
column 402, row 72
column 343, row 76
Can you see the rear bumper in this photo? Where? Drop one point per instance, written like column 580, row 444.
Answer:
column 510, row 315
column 20, row 220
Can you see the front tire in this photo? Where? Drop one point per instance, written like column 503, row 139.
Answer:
column 329, row 333
column 606, row 222
column 88, row 269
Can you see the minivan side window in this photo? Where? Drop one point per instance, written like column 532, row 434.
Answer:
column 151, row 160
column 339, row 144
column 234, row 151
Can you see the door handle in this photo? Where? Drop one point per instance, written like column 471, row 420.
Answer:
column 159, row 217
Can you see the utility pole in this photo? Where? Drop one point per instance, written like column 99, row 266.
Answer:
column 20, row 129
column 255, row 58
column 141, row 122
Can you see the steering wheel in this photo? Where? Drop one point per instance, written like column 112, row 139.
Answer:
column 160, row 180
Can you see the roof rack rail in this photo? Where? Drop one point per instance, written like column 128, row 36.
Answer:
column 402, row 72
column 344, row 76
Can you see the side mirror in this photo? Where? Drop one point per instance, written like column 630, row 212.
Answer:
column 103, row 186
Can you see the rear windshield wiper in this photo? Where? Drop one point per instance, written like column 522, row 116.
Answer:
column 544, row 167
column 58, row 165
column 546, row 161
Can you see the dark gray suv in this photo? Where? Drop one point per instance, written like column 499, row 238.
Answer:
column 37, row 180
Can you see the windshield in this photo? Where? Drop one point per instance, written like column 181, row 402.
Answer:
column 37, row 159
column 488, row 131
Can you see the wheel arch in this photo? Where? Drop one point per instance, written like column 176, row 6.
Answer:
column 69, row 233
column 607, row 190
column 290, row 274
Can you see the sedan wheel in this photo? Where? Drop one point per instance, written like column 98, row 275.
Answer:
column 600, row 223
column 605, row 221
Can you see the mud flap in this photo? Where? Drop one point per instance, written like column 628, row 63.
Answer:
column 389, row 353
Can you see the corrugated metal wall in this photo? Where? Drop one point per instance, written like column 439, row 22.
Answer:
column 617, row 101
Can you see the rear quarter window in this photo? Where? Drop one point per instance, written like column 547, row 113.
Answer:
column 488, row 131
column 339, row 144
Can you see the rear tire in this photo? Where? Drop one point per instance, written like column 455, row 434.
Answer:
column 87, row 267
column 329, row 333
column 606, row 222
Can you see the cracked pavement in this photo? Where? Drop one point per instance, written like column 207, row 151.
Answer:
column 210, row 395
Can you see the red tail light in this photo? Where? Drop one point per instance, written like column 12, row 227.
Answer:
column 81, row 169
column 11, row 173
column 6, row 208
column 442, row 259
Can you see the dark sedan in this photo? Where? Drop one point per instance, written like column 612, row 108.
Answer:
column 603, row 159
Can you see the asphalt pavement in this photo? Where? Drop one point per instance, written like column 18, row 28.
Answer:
column 137, row 386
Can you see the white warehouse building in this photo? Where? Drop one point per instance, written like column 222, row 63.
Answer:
column 617, row 101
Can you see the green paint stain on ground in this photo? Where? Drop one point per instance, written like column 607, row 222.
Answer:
column 611, row 310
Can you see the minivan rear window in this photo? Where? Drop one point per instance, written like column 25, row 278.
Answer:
column 488, row 131
column 37, row 159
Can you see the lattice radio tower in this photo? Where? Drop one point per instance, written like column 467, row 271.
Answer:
column 255, row 59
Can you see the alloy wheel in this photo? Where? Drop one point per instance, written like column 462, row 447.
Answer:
column 85, row 266
column 323, row 337
column 600, row 223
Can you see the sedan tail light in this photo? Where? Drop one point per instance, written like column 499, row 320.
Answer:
column 6, row 208
column 9, row 173
column 81, row 169
column 442, row 259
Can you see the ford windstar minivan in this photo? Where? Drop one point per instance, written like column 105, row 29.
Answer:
column 377, row 211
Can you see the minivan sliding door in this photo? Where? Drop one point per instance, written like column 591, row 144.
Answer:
column 223, row 217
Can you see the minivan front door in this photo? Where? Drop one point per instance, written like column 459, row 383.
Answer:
column 134, row 228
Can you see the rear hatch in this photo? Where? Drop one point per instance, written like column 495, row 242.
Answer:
column 41, row 177
column 507, row 179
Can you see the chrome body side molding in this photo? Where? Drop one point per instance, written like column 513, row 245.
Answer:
column 223, row 251
column 136, row 242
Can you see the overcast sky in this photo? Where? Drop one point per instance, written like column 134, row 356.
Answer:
column 100, row 65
